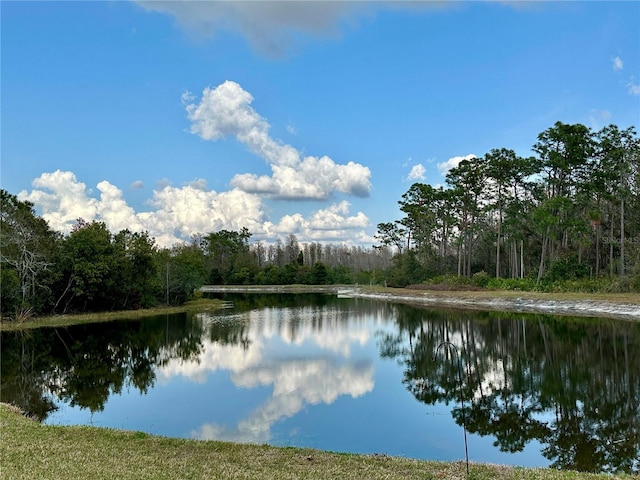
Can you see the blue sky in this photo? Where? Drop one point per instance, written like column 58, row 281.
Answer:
column 311, row 118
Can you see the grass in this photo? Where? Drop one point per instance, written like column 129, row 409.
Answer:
column 197, row 305
column 30, row 450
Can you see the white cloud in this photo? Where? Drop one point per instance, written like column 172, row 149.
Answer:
column 331, row 224
column 311, row 179
column 226, row 111
column 136, row 185
column 417, row 173
column 114, row 211
column 191, row 209
column 179, row 212
column 634, row 89
column 336, row 218
column 66, row 202
column 453, row 162
column 617, row 63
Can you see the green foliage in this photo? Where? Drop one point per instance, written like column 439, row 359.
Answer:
column 568, row 268
column 340, row 275
column 480, row 279
column 10, row 297
column 187, row 272
column 269, row 275
column 226, row 255
column 319, row 274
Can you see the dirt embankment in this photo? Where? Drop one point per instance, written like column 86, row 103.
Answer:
column 619, row 306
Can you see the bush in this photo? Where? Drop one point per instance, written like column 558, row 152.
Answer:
column 480, row 279
column 566, row 269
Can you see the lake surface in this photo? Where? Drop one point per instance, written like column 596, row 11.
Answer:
column 349, row 375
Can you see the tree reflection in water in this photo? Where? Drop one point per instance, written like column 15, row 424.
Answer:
column 85, row 364
column 572, row 384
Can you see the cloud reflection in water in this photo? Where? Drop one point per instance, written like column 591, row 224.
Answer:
column 304, row 365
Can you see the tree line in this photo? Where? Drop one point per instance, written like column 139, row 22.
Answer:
column 570, row 212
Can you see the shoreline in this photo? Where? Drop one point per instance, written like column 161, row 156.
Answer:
column 597, row 305
column 614, row 306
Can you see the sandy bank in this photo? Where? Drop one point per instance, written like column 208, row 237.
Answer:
column 619, row 306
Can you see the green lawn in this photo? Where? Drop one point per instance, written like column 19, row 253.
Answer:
column 30, row 450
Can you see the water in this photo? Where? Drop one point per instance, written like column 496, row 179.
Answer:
column 349, row 375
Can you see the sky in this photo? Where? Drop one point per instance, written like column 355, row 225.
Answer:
column 308, row 118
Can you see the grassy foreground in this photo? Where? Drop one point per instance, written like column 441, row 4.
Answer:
column 30, row 450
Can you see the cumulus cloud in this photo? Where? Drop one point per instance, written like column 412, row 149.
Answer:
column 311, row 179
column 179, row 212
column 66, row 201
column 453, row 162
column 331, row 224
column 417, row 173
column 183, row 211
column 136, row 185
column 226, row 111
column 114, row 211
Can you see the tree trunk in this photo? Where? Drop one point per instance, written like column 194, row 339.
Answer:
column 498, row 243
column 545, row 243
column 621, row 237
column 597, row 250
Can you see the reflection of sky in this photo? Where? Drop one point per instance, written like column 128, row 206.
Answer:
column 296, row 383
column 300, row 363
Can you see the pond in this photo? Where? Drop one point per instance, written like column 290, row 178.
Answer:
column 348, row 375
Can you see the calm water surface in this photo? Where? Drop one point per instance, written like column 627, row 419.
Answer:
column 348, row 375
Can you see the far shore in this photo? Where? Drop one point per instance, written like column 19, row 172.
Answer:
column 624, row 306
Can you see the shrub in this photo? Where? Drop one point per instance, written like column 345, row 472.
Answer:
column 480, row 279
